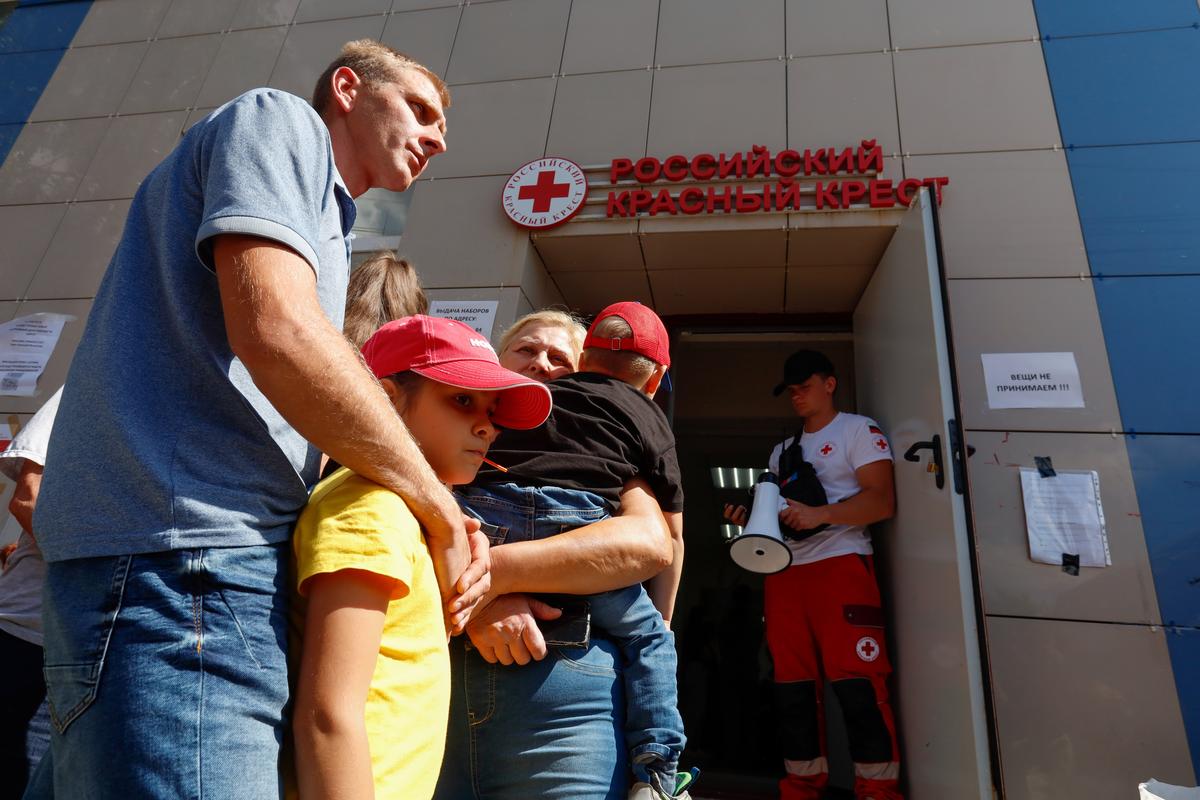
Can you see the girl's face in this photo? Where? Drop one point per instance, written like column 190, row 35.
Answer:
column 452, row 426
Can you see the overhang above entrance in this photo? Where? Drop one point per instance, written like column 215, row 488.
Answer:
column 800, row 262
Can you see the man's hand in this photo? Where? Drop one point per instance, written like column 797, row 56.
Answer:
column 474, row 583
column 506, row 630
column 801, row 517
column 738, row 515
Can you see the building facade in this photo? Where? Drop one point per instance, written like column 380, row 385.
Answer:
column 1067, row 132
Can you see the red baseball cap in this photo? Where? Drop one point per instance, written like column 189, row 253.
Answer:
column 649, row 334
column 449, row 352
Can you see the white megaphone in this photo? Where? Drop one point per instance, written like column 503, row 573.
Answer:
column 761, row 548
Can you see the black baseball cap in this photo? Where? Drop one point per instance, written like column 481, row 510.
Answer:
column 800, row 366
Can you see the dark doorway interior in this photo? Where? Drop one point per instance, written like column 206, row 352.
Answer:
column 726, row 422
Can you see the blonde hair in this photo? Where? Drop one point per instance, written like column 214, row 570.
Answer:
column 373, row 62
column 381, row 289
column 550, row 318
column 633, row 368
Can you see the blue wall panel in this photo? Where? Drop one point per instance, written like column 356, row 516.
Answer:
column 1166, row 470
column 1128, row 88
column 1076, row 17
column 23, row 76
column 1137, row 213
column 49, row 26
column 1154, row 349
column 1183, row 645
column 1140, row 216
column 33, row 39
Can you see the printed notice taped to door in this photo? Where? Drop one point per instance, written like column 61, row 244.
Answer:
column 1064, row 517
column 26, row 345
column 1032, row 380
column 477, row 314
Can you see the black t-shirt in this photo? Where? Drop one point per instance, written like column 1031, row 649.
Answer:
column 601, row 433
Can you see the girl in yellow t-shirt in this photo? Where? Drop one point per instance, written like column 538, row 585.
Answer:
column 373, row 686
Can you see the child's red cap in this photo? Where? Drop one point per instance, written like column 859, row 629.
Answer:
column 449, row 352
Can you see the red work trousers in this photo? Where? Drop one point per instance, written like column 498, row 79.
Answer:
column 825, row 623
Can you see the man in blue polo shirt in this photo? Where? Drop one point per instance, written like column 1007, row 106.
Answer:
column 211, row 375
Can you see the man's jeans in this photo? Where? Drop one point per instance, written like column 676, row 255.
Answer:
column 166, row 675
column 627, row 616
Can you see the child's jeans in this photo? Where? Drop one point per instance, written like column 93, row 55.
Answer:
column 653, row 726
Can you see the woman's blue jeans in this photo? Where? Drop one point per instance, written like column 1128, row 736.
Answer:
column 549, row 729
column 166, row 675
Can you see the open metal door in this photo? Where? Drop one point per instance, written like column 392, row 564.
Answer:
column 902, row 367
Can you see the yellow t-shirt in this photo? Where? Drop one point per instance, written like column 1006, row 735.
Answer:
column 353, row 523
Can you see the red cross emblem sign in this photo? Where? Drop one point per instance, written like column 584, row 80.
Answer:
column 544, row 193
column 867, row 648
column 826, row 450
column 881, row 444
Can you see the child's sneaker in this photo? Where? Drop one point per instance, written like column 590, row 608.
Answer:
column 655, row 791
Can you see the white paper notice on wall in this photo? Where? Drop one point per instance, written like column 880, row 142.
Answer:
column 26, row 344
column 1032, row 380
column 478, row 314
column 1064, row 517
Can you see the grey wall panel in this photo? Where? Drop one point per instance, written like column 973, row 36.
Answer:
column 827, row 27
column 600, row 117
column 937, row 23
column 244, row 62
column 26, row 232
column 1085, row 711
column 713, row 31
column 457, row 234
column 610, row 34
column 512, row 39
column 131, row 148
column 705, row 109
column 113, row 21
column 860, row 86
column 1048, row 315
column 1007, row 214
column 49, row 159
column 427, row 36
column 171, row 74
column 1015, row 585
column 79, row 254
column 968, row 99
column 90, row 81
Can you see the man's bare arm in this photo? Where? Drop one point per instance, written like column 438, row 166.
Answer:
column 308, row 371
column 876, row 501
column 664, row 586
column 610, row 554
column 25, row 495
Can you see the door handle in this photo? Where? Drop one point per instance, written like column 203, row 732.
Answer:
column 934, row 445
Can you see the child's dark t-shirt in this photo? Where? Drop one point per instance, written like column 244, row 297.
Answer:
column 601, row 433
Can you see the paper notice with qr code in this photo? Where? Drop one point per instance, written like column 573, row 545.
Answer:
column 1064, row 518
column 26, row 345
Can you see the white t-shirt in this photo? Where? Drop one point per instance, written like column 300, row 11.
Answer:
column 21, row 581
column 848, row 442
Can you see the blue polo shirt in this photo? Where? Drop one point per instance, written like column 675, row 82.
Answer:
column 162, row 440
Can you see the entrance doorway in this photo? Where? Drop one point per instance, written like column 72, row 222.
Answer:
column 893, row 364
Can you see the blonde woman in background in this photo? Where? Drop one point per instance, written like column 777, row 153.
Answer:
column 543, row 345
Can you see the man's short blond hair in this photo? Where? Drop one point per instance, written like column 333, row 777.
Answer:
column 373, row 62
column 633, row 368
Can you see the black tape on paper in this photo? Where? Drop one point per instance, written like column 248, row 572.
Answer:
column 1070, row 563
column 1044, row 467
